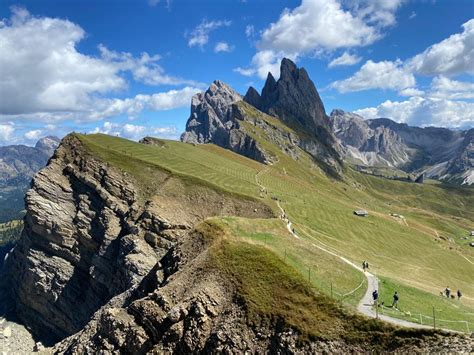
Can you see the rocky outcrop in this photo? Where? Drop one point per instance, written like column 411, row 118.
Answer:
column 438, row 152
column 90, row 235
column 295, row 101
column 216, row 117
column 211, row 115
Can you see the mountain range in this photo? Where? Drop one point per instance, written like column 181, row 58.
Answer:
column 217, row 117
column 439, row 153
column 18, row 164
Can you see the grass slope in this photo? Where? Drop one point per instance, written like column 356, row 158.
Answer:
column 424, row 252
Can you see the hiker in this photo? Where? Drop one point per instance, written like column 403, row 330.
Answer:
column 367, row 265
column 459, row 294
column 363, row 265
column 395, row 300
column 375, row 296
column 447, row 291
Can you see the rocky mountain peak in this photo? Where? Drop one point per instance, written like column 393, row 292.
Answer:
column 48, row 144
column 210, row 112
column 252, row 97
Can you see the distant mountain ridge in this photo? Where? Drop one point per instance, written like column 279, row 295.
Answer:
column 18, row 164
column 440, row 153
column 222, row 116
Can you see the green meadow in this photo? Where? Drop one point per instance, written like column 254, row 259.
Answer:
column 418, row 255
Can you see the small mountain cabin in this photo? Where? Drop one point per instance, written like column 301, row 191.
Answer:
column 361, row 213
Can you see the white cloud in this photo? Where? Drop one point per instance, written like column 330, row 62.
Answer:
column 318, row 25
column 344, row 60
column 144, row 68
column 249, row 31
column 6, row 132
column 44, row 78
column 245, row 71
column 136, row 132
column 411, row 92
column 200, row 35
column 412, row 15
column 419, row 111
column 377, row 75
column 443, row 87
column 156, row 102
column 454, row 55
column 33, row 135
column 223, row 47
column 105, row 108
column 40, row 68
column 380, row 13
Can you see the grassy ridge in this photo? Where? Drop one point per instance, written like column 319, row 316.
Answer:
column 424, row 252
column 274, row 293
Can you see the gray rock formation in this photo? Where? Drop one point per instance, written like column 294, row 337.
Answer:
column 90, row 235
column 438, row 152
column 215, row 119
column 293, row 99
column 211, row 115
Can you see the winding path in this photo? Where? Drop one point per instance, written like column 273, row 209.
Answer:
column 366, row 304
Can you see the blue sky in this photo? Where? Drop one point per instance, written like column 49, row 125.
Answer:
column 131, row 67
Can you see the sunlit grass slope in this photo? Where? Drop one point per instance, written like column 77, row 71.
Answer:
column 422, row 251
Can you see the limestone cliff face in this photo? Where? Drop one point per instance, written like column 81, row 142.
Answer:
column 294, row 99
column 216, row 117
column 90, row 235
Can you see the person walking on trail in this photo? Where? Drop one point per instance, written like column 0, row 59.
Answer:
column 395, row 300
column 367, row 265
column 363, row 265
column 459, row 294
column 375, row 296
column 447, row 292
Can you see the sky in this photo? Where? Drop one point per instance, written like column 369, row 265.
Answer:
column 130, row 68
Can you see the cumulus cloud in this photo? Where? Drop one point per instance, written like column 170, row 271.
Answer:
column 43, row 73
column 420, row 111
column 380, row 13
column 454, row 55
column 41, row 70
column 223, row 47
column 377, row 75
column 109, row 107
column 443, row 87
column 6, row 132
column 200, row 35
column 133, row 106
column 318, row 25
column 136, row 132
column 144, row 69
column 411, row 92
column 33, row 135
column 344, row 60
